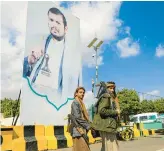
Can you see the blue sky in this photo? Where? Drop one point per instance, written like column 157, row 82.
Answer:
column 144, row 72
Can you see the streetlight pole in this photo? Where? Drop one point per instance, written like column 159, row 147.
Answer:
column 95, row 48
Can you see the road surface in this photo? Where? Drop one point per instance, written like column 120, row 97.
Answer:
column 151, row 143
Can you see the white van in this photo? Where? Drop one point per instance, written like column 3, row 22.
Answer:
column 144, row 118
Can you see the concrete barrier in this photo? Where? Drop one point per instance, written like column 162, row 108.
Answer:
column 26, row 138
column 136, row 131
column 37, row 137
column 6, row 138
column 40, row 137
column 144, row 132
column 57, row 137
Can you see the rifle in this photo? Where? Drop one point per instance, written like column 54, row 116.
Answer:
column 76, row 125
column 103, row 89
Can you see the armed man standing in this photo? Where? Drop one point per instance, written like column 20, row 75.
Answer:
column 79, row 122
column 106, row 116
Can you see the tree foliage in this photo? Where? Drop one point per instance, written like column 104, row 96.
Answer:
column 147, row 106
column 9, row 107
column 129, row 102
column 159, row 105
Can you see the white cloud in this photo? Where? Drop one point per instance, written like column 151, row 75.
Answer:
column 127, row 47
column 11, row 67
column 13, row 27
column 89, row 99
column 127, row 30
column 150, row 95
column 98, row 19
column 154, row 92
column 160, row 51
column 14, row 15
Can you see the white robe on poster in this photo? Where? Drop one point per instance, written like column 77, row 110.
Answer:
column 38, row 109
column 70, row 73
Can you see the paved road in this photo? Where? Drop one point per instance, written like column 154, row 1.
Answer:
column 151, row 143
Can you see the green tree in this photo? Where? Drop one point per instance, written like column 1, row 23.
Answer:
column 147, row 106
column 16, row 107
column 129, row 103
column 6, row 107
column 159, row 105
column 9, row 107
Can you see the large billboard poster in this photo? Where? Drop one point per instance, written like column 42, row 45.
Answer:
column 51, row 66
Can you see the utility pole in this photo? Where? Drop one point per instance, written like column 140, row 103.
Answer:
column 96, row 47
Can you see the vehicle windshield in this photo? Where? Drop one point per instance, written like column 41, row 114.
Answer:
column 143, row 118
column 152, row 117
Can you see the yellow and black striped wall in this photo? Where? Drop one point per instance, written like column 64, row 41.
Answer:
column 139, row 130
column 6, row 138
column 36, row 138
column 26, row 138
column 40, row 137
